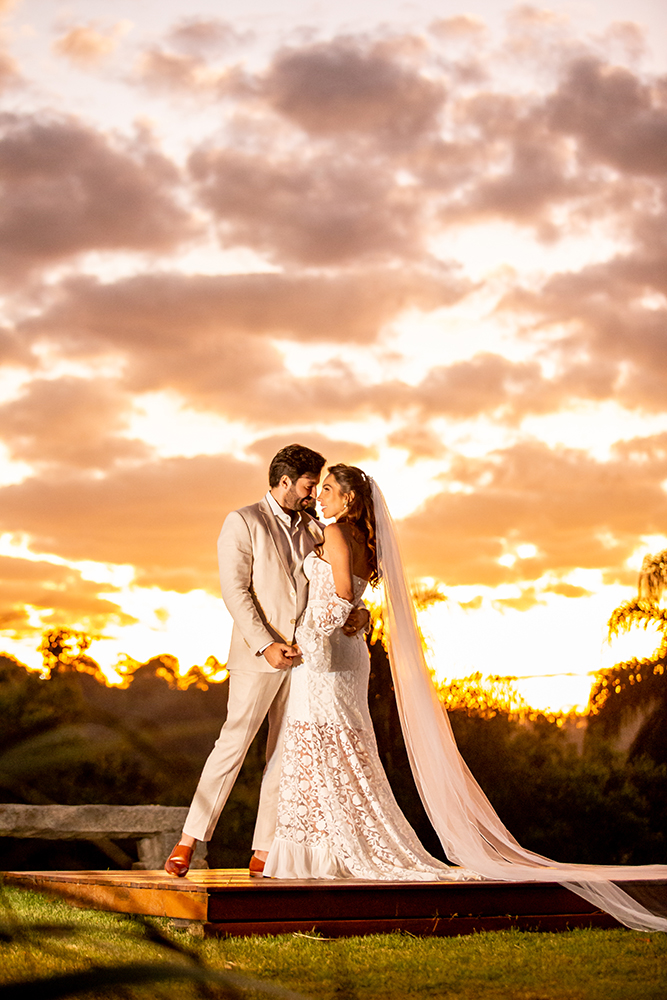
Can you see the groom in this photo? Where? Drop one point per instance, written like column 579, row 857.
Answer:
column 261, row 550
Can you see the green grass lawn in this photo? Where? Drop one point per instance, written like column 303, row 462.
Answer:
column 577, row 965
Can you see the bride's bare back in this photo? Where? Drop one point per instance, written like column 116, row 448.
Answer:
column 345, row 549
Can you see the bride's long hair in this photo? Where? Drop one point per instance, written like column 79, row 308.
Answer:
column 360, row 510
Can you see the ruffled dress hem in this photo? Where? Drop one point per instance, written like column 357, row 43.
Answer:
column 290, row 860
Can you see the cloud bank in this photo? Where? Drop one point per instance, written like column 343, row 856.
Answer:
column 346, row 167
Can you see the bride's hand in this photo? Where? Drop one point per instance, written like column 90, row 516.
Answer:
column 357, row 621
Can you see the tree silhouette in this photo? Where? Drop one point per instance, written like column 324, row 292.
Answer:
column 637, row 685
column 653, row 577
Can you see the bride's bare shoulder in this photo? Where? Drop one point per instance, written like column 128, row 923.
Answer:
column 337, row 535
column 339, row 542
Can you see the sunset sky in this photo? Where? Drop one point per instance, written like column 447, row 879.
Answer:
column 428, row 238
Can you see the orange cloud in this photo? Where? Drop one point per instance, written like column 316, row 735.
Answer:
column 461, row 26
column 181, row 65
column 69, row 421
column 86, row 45
column 206, row 34
column 578, row 512
column 162, row 517
column 187, row 74
column 208, row 336
column 60, row 590
column 9, row 73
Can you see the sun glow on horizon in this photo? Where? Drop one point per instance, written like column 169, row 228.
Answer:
column 549, row 651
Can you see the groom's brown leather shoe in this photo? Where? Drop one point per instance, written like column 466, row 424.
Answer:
column 255, row 867
column 178, row 862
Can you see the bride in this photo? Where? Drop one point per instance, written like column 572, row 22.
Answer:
column 337, row 817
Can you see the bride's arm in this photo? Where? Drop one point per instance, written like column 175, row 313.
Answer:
column 338, row 554
column 326, row 620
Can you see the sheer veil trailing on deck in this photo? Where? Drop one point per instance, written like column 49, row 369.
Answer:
column 471, row 833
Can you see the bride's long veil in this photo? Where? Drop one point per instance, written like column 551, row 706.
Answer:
column 471, row 833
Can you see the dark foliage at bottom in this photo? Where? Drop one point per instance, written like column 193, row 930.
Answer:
column 73, row 740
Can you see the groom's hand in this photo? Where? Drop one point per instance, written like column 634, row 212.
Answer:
column 281, row 656
column 357, row 620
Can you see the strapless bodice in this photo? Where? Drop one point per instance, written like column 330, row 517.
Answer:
column 320, row 576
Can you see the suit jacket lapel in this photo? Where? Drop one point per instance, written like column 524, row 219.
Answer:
column 273, row 530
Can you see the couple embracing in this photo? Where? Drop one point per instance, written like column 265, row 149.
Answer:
column 298, row 654
column 293, row 588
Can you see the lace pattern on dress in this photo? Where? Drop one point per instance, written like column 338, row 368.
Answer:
column 335, row 799
column 333, row 616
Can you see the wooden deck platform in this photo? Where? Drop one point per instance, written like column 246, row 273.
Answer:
column 228, row 901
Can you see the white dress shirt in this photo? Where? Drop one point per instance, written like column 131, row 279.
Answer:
column 289, row 527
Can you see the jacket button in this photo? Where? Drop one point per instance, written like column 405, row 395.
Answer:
column 292, row 621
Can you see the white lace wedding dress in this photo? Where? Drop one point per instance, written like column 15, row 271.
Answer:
column 337, row 816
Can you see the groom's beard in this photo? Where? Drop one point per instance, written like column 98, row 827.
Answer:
column 293, row 501
column 309, row 506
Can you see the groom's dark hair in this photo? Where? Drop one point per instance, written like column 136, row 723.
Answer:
column 294, row 461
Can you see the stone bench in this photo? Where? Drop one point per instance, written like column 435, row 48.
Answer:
column 155, row 828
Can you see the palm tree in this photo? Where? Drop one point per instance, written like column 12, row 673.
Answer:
column 653, row 577
column 635, row 685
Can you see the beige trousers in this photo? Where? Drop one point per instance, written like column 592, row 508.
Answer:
column 252, row 694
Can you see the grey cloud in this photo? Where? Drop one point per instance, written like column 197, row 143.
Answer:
column 378, row 174
column 208, row 337
column 68, row 189
column 174, row 309
column 615, row 345
column 483, row 383
column 617, row 118
column 346, row 86
column 534, row 184
column 513, row 166
column 522, row 163
column 312, row 208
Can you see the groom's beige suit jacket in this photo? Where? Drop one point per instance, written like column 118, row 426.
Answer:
column 265, row 590
column 263, row 595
